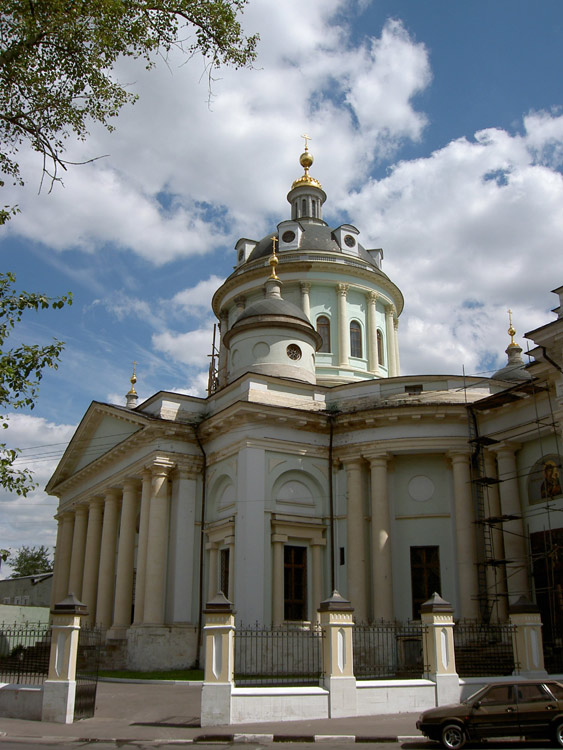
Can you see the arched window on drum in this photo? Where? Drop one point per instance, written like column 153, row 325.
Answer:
column 355, row 339
column 380, row 351
column 323, row 329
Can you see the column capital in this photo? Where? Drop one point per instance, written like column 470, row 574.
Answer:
column 396, row 323
column 161, row 467
column 342, row 289
column 131, row 483
column 305, row 286
column 377, row 459
column 372, row 297
column 188, row 468
column 459, row 456
column 81, row 509
column 351, row 461
column 240, row 300
column 96, row 500
column 506, row 447
column 112, row 493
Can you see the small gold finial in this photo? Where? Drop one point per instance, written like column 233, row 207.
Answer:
column 274, row 259
column 511, row 329
column 306, row 161
column 133, row 380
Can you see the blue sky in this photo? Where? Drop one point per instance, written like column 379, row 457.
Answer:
column 437, row 130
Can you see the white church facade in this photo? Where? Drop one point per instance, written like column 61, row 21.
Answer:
column 313, row 465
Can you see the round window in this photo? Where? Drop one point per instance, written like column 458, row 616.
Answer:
column 293, row 352
column 349, row 240
column 288, row 236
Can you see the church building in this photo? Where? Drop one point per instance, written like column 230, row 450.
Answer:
column 313, row 465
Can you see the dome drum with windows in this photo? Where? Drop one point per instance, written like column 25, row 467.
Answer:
column 337, row 320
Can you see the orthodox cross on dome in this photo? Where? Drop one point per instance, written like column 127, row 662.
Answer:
column 307, row 138
column 511, row 330
column 274, row 259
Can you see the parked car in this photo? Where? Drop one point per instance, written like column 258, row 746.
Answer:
column 530, row 709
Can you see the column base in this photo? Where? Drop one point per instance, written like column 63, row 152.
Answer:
column 117, row 632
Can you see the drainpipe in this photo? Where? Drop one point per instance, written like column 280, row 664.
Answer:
column 330, row 418
column 201, row 544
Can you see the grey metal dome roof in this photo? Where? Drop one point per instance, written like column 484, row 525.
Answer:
column 515, row 369
column 272, row 306
column 316, row 235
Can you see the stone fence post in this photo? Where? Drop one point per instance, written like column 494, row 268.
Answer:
column 436, row 615
column 219, row 645
column 59, row 689
column 338, row 657
column 527, row 639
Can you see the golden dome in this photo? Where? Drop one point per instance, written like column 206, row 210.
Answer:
column 306, row 160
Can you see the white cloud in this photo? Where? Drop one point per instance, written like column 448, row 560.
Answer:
column 191, row 348
column 469, row 232
column 183, row 178
column 29, row 521
column 197, row 299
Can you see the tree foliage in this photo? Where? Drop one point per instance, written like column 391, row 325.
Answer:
column 57, row 60
column 21, row 370
column 29, row 561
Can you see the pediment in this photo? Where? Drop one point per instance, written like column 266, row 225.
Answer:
column 102, row 428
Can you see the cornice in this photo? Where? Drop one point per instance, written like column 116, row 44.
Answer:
column 400, row 446
column 355, row 267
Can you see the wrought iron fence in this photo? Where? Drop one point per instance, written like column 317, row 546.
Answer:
column 278, row 656
column 553, row 649
column 483, row 650
column 87, row 665
column 388, row 650
column 24, row 653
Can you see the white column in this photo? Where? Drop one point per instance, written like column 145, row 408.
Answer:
column 513, row 531
column 106, row 575
column 381, row 563
column 140, row 578
column 396, row 338
column 77, row 555
column 184, row 543
column 92, row 558
column 155, row 580
column 468, row 605
column 390, row 336
column 355, row 539
column 373, row 357
column 277, row 579
column 223, row 351
column 305, row 299
column 343, row 332
column 63, row 551
column 125, row 559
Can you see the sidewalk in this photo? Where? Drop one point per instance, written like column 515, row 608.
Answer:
column 157, row 711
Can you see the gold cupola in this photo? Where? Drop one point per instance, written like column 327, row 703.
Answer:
column 306, row 195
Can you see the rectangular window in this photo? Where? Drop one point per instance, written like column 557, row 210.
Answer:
column 413, row 390
column 224, row 573
column 295, row 582
column 425, row 576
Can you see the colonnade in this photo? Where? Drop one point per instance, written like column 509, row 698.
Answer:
column 95, row 557
column 369, row 571
column 343, row 328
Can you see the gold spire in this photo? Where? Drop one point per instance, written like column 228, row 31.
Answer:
column 274, row 260
column 511, row 329
column 306, row 161
column 133, row 380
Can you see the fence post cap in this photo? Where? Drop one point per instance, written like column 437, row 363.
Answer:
column 219, row 603
column 70, row 605
column 522, row 606
column 436, row 604
column 336, row 603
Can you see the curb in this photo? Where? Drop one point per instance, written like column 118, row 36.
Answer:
column 235, row 738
